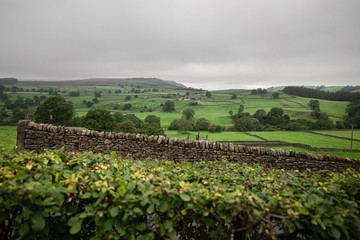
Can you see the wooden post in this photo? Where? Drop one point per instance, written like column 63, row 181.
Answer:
column 352, row 135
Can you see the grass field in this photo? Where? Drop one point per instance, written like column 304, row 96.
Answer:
column 340, row 154
column 215, row 109
column 224, row 136
column 311, row 139
column 7, row 136
column 343, row 133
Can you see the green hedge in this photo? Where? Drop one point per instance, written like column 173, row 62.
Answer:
column 57, row 195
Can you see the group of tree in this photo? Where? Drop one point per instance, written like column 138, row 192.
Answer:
column 276, row 119
column 314, row 93
column 260, row 91
column 103, row 120
column 19, row 108
column 187, row 123
column 89, row 104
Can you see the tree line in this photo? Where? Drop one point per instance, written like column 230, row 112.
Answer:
column 314, row 93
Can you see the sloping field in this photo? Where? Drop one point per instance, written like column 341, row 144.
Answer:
column 311, row 139
column 343, row 133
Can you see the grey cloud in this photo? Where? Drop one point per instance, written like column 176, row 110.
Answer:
column 203, row 43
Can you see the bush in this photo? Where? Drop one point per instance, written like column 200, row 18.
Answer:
column 58, row 195
column 99, row 119
column 126, row 127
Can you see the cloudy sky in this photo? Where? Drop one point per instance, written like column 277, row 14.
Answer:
column 212, row 44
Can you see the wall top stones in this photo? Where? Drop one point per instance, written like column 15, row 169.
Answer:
column 57, row 134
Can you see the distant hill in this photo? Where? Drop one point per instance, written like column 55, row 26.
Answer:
column 129, row 82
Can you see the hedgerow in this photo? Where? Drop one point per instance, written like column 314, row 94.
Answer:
column 58, row 195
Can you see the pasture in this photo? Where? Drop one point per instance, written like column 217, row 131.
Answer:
column 216, row 109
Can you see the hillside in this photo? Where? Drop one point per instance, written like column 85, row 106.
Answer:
column 129, row 82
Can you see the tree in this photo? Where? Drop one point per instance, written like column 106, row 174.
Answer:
column 260, row 115
column 74, row 94
column 127, row 98
column 99, row 119
column 215, row 128
column 241, row 108
column 95, row 100
column 188, row 114
column 263, row 93
column 152, row 129
column 314, row 105
column 54, row 110
column 119, row 117
column 353, row 114
column 276, row 95
column 208, row 94
column 152, row 119
column 234, row 96
column 97, row 94
column 231, row 112
column 133, row 118
column 169, row 106
column 126, row 126
column 202, row 124
column 246, row 123
column 185, row 125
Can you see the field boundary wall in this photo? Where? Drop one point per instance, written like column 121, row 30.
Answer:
column 39, row 137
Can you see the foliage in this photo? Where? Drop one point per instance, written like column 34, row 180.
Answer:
column 353, row 114
column 208, row 94
column 153, row 120
column 119, row 117
column 99, row 119
column 152, row 129
column 133, row 118
column 246, row 123
column 185, row 125
column 54, row 110
column 234, row 96
column 313, row 93
column 215, row 128
column 202, row 124
column 276, row 95
column 168, row 106
column 126, row 127
column 57, row 195
column 188, row 113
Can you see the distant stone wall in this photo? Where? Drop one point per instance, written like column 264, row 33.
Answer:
column 38, row 137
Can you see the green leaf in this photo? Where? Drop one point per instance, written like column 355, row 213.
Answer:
column 131, row 186
column 87, row 195
column 114, row 211
column 108, row 224
column 141, row 227
column 38, row 221
column 138, row 211
column 24, row 229
column 76, row 227
column 163, row 207
column 148, row 236
column 150, row 209
column 185, row 197
column 335, row 233
column 73, row 220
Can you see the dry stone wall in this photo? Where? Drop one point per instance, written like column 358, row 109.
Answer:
column 38, row 137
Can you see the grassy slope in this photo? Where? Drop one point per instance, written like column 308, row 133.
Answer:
column 7, row 136
column 308, row 138
column 343, row 133
column 224, row 136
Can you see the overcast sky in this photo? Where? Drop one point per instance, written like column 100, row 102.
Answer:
column 212, row 44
